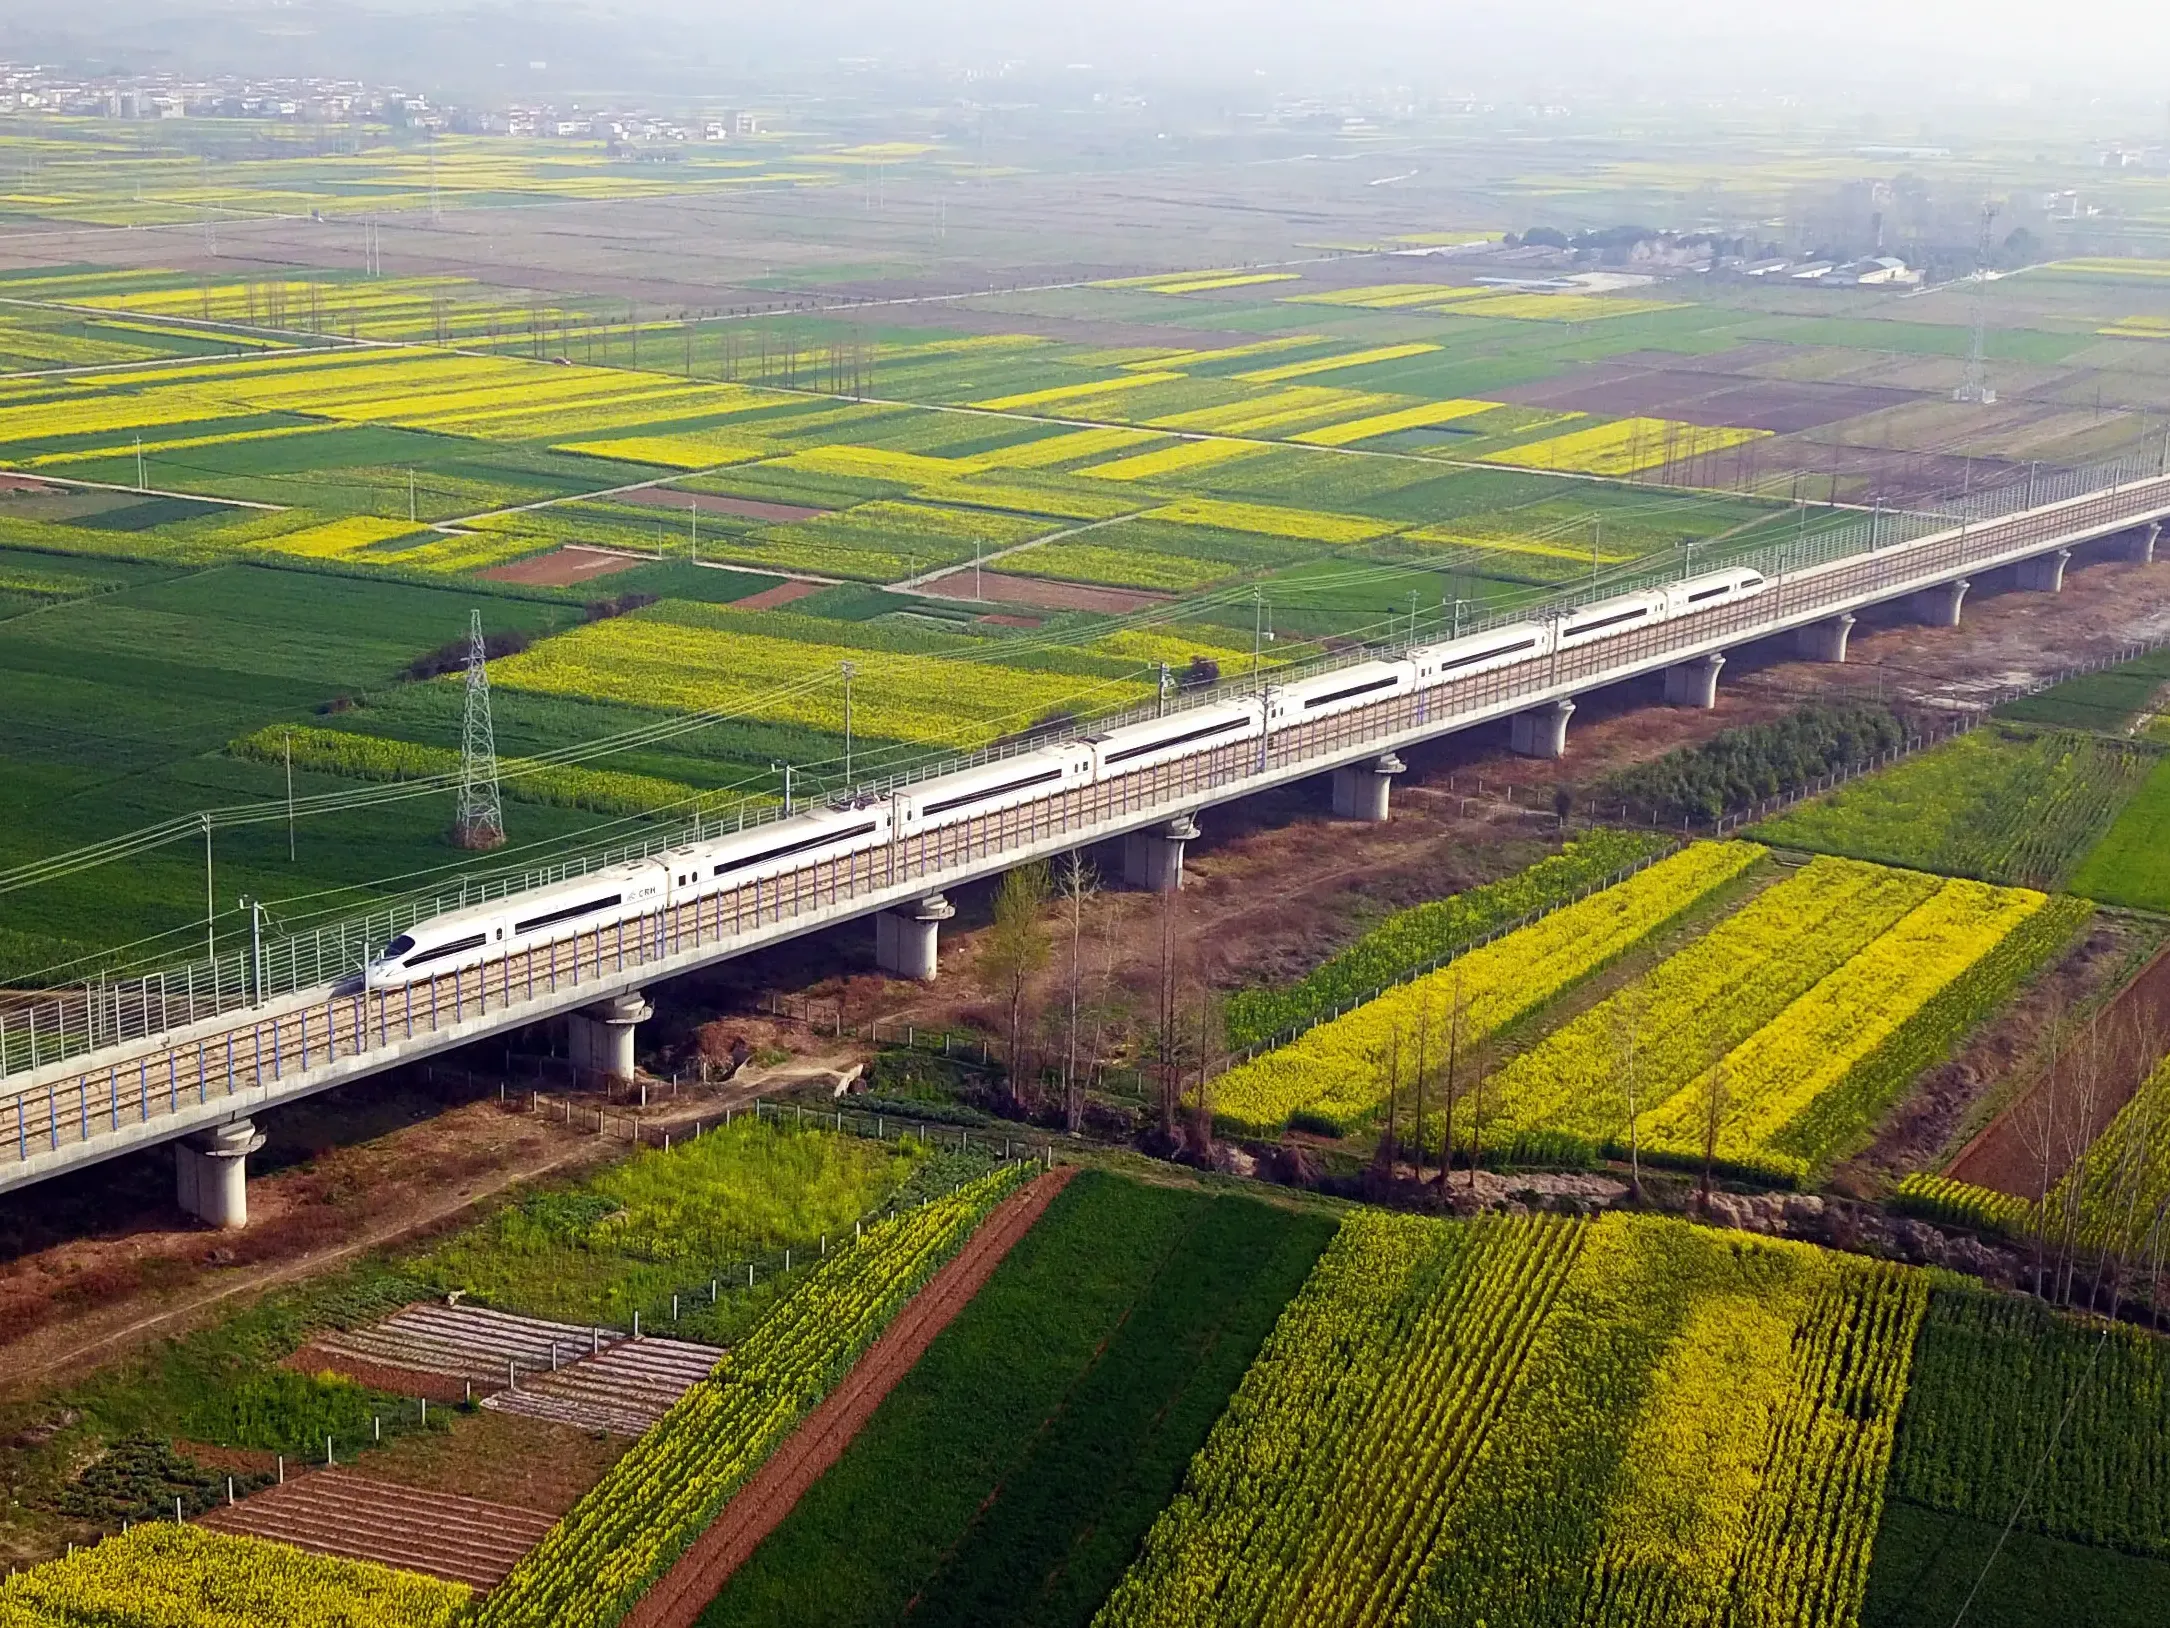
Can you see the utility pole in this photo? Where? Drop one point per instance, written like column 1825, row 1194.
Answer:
column 849, row 673
column 139, row 464
column 256, row 948
column 1974, row 386
column 410, row 497
column 787, row 784
column 210, row 907
column 693, row 523
column 290, row 797
column 480, row 821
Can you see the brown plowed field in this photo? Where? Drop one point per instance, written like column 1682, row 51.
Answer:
column 337, row 1512
column 563, row 567
column 746, row 508
column 782, row 594
column 760, row 1506
column 1047, row 595
column 2007, row 1156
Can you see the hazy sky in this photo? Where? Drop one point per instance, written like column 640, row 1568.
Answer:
column 1903, row 52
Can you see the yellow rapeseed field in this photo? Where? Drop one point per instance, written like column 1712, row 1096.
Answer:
column 1307, row 525
column 1331, row 364
column 1404, row 418
column 729, row 666
column 1627, row 446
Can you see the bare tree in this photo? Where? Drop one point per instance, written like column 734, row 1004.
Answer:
column 1716, row 1099
column 1212, row 1043
column 1626, row 1017
column 1455, row 1010
column 1015, row 949
column 1077, row 883
column 1389, row 1144
column 1169, row 1039
column 1424, row 1040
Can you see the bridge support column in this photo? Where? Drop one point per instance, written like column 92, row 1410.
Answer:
column 1153, row 858
column 601, row 1036
column 1360, row 789
column 1939, row 606
column 2140, row 543
column 211, row 1172
column 2045, row 573
column 905, row 939
column 1694, row 683
column 1541, row 732
column 1824, row 641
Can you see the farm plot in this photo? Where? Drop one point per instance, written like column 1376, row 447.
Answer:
column 1044, row 1430
column 458, row 1343
column 658, row 1498
column 1790, row 1026
column 624, row 1388
column 663, row 1222
column 1412, row 940
column 336, row 1512
column 697, row 661
column 2109, row 702
column 2016, row 1407
column 1319, row 1494
column 2131, row 864
column 1700, row 1433
column 163, row 1573
column 2002, row 804
column 1335, row 1076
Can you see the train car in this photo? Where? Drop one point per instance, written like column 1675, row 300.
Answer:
column 1480, row 653
column 1611, row 616
column 460, row 938
column 992, row 787
column 1342, row 690
column 784, row 845
column 1135, row 747
column 1714, row 588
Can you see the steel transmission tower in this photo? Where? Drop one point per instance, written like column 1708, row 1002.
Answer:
column 1974, row 386
column 480, row 822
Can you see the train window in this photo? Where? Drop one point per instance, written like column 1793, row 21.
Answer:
column 551, row 918
column 1709, row 593
column 458, row 946
column 1577, row 629
column 397, row 948
column 1476, row 656
column 784, row 850
column 1343, row 694
column 982, row 795
column 1205, row 732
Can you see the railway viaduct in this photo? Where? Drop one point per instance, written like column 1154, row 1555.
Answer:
column 120, row 1068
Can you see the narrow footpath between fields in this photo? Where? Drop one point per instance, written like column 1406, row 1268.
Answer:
column 682, row 1593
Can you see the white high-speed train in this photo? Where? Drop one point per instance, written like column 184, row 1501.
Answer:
column 462, row 937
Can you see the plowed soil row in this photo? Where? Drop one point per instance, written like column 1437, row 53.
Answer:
column 337, row 1512
column 760, row 1506
column 2056, row 1114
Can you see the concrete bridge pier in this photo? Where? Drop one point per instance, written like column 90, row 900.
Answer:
column 2140, row 543
column 1824, row 641
column 1360, row 789
column 1153, row 858
column 1542, row 731
column 211, row 1172
column 2045, row 573
column 600, row 1037
column 906, row 938
column 1939, row 606
column 1694, row 683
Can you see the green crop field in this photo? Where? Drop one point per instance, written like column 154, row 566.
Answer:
column 2131, row 864
column 2001, row 805
column 1045, row 1429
